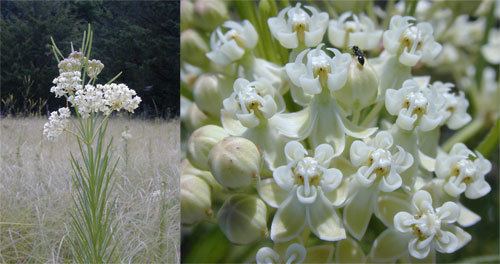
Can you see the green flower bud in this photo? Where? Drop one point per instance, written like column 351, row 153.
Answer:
column 235, row 162
column 201, row 142
column 193, row 48
column 188, row 168
column 196, row 204
column 242, row 219
column 195, row 118
column 361, row 88
column 210, row 14
column 210, row 91
column 187, row 12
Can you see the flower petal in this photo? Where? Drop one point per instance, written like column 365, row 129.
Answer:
column 467, row 217
column 248, row 120
column 331, row 180
column 283, row 176
column 267, row 255
column 448, row 212
column 297, row 125
column 323, row 220
column 389, row 246
column 422, row 201
column 294, row 151
column 348, row 251
column 295, row 253
column 359, row 153
column 477, row 189
column 358, row 212
column 419, row 249
column 271, row 193
column 324, row 154
column 389, row 204
column 288, row 221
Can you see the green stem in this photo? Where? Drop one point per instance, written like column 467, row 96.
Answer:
column 464, row 134
column 490, row 141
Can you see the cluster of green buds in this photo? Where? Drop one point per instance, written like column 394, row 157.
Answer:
column 303, row 123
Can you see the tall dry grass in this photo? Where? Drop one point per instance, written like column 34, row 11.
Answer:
column 35, row 192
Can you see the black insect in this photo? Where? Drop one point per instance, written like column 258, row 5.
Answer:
column 359, row 54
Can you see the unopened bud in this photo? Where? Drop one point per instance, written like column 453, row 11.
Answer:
column 210, row 14
column 361, row 88
column 196, row 204
column 187, row 12
column 210, row 91
column 201, row 142
column 195, row 118
column 193, row 48
column 188, row 168
column 235, row 162
column 242, row 219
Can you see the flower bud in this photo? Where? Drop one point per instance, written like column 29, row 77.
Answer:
column 195, row 118
column 188, row 168
column 187, row 10
column 242, row 219
column 196, row 204
column 234, row 162
column 361, row 88
column 193, row 48
column 201, row 142
column 209, row 14
column 209, row 92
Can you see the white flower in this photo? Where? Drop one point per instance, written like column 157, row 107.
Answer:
column 463, row 171
column 319, row 71
column 231, row 46
column 379, row 169
column 295, row 253
column 359, row 32
column 69, row 65
column 58, row 121
column 94, row 67
column 251, row 101
column 377, row 163
column 411, row 43
column 119, row 96
column 67, row 83
column 307, row 181
column 417, row 106
column 491, row 51
column 104, row 98
column 455, row 106
column 299, row 28
column 465, row 33
column 431, row 228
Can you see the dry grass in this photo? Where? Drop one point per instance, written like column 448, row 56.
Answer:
column 35, row 192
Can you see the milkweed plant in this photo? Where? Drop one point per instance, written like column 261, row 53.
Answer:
column 304, row 122
column 89, row 106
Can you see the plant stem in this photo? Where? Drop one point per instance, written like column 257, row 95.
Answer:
column 464, row 134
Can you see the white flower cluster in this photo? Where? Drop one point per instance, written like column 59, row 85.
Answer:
column 333, row 134
column 86, row 98
column 105, row 99
column 58, row 121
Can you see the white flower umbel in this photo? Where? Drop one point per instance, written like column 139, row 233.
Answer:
column 58, row 121
column 105, row 98
column 431, row 229
column 463, row 171
column 94, row 67
column 295, row 253
column 318, row 78
column 67, row 83
column 307, row 183
column 379, row 169
column 357, row 31
column 231, row 46
column 416, row 106
column 294, row 27
column 455, row 106
column 409, row 42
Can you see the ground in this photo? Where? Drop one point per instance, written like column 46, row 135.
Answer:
column 36, row 201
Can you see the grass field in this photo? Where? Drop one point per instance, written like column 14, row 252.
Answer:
column 35, row 192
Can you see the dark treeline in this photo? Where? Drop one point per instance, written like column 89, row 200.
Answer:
column 139, row 38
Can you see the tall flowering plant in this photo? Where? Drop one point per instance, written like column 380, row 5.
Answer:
column 92, row 226
column 312, row 133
